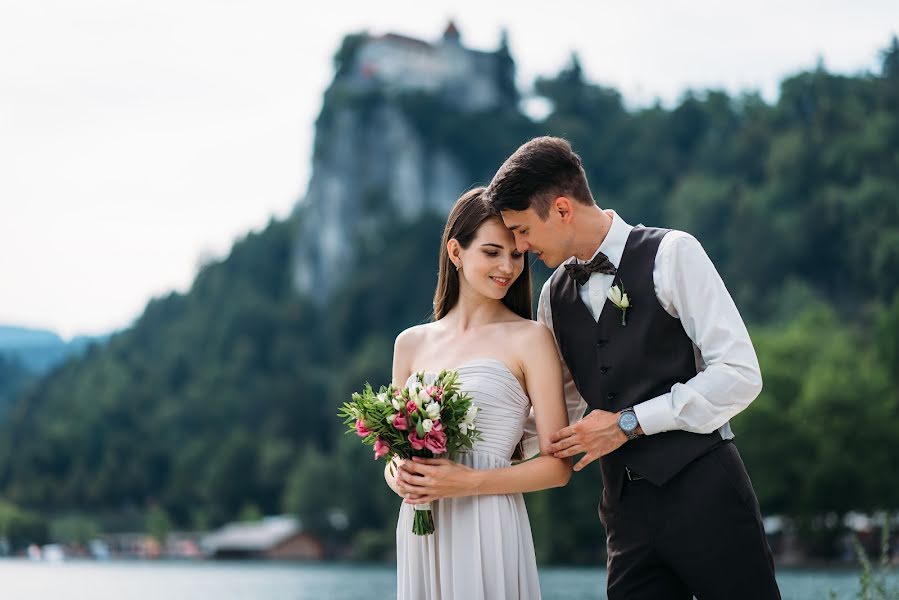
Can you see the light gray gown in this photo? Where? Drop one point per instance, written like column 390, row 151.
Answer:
column 482, row 547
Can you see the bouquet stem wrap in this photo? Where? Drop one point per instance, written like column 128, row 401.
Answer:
column 423, row 521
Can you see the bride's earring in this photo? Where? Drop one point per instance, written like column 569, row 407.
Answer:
column 458, row 265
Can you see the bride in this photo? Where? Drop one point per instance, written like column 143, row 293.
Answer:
column 482, row 546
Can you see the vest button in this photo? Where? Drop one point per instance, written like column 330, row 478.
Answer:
column 602, row 343
column 604, row 370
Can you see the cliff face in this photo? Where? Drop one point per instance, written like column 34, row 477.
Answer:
column 378, row 157
column 374, row 169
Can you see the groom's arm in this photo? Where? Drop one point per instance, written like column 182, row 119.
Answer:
column 689, row 288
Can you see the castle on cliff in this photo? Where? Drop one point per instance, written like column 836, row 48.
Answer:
column 371, row 163
column 397, row 63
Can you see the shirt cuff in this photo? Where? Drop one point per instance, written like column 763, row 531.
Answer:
column 655, row 415
column 530, row 447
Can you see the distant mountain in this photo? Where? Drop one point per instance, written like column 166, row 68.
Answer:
column 39, row 350
column 12, row 336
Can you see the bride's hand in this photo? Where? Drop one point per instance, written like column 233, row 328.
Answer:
column 405, row 482
column 424, row 480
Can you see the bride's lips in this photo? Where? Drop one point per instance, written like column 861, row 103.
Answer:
column 501, row 281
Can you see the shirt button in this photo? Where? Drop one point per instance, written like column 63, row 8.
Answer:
column 612, row 396
column 602, row 343
column 604, row 370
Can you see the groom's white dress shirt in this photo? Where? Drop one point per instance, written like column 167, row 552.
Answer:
column 689, row 288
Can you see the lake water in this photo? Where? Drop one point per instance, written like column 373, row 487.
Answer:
column 119, row 580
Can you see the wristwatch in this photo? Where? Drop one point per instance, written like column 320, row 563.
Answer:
column 628, row 423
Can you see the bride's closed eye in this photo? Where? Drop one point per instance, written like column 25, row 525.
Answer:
column 515, row 255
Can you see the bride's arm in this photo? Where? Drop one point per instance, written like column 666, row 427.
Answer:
column 402, row 351
column 425, row 480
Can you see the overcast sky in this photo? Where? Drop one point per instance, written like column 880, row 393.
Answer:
column 137, row 138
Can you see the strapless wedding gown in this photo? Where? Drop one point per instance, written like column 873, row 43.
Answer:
column 482, row 547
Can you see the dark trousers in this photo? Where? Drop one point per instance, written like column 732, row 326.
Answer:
column 698, row 535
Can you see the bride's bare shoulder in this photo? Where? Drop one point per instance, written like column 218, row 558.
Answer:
column 530, row 339
column 410, row 339
column 529, row 330
column 526, row 334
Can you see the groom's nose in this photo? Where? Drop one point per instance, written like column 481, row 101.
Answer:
column 521, row 245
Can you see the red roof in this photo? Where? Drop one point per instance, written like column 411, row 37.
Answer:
column 451, row 30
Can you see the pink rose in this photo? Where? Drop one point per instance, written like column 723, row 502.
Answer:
column 417, row 442
column 397, row 393
column 361, row 429
column 437, row 426
column 400, row 422
column 410, row 407
column 435, row 441
column 381, row 448
column 434, row 392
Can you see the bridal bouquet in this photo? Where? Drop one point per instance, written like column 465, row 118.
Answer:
column 429, row 418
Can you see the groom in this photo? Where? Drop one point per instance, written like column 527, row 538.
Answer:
column 664, row 363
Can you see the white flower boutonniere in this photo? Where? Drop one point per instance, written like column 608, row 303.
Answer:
column 619, row 298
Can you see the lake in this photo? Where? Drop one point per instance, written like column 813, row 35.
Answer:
column 145, row 580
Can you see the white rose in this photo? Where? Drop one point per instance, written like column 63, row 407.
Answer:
column 427, row 424
column 614, row 295
column 463, row 428
column 414, row 387
column 391, row 418
column 382, row 398
column 468, row 419
column 618, row 299
column 424, row 397
column 433, row 411
column 396, row 403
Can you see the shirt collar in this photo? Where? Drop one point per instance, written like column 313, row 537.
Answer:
column 613, row 245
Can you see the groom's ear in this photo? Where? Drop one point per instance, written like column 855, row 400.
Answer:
column 564, row 207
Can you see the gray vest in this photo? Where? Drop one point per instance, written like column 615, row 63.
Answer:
column 615, row 367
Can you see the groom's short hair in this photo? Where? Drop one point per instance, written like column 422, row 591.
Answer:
column 537, row 173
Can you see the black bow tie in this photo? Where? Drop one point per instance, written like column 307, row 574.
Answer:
column 581, row 273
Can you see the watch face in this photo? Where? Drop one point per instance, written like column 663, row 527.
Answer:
column 628, row 421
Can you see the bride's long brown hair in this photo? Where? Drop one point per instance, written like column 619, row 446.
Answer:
column 468, row 214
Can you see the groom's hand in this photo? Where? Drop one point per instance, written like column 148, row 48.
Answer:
column 594, row 436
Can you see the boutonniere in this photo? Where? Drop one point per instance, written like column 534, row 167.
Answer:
column 619, row 298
